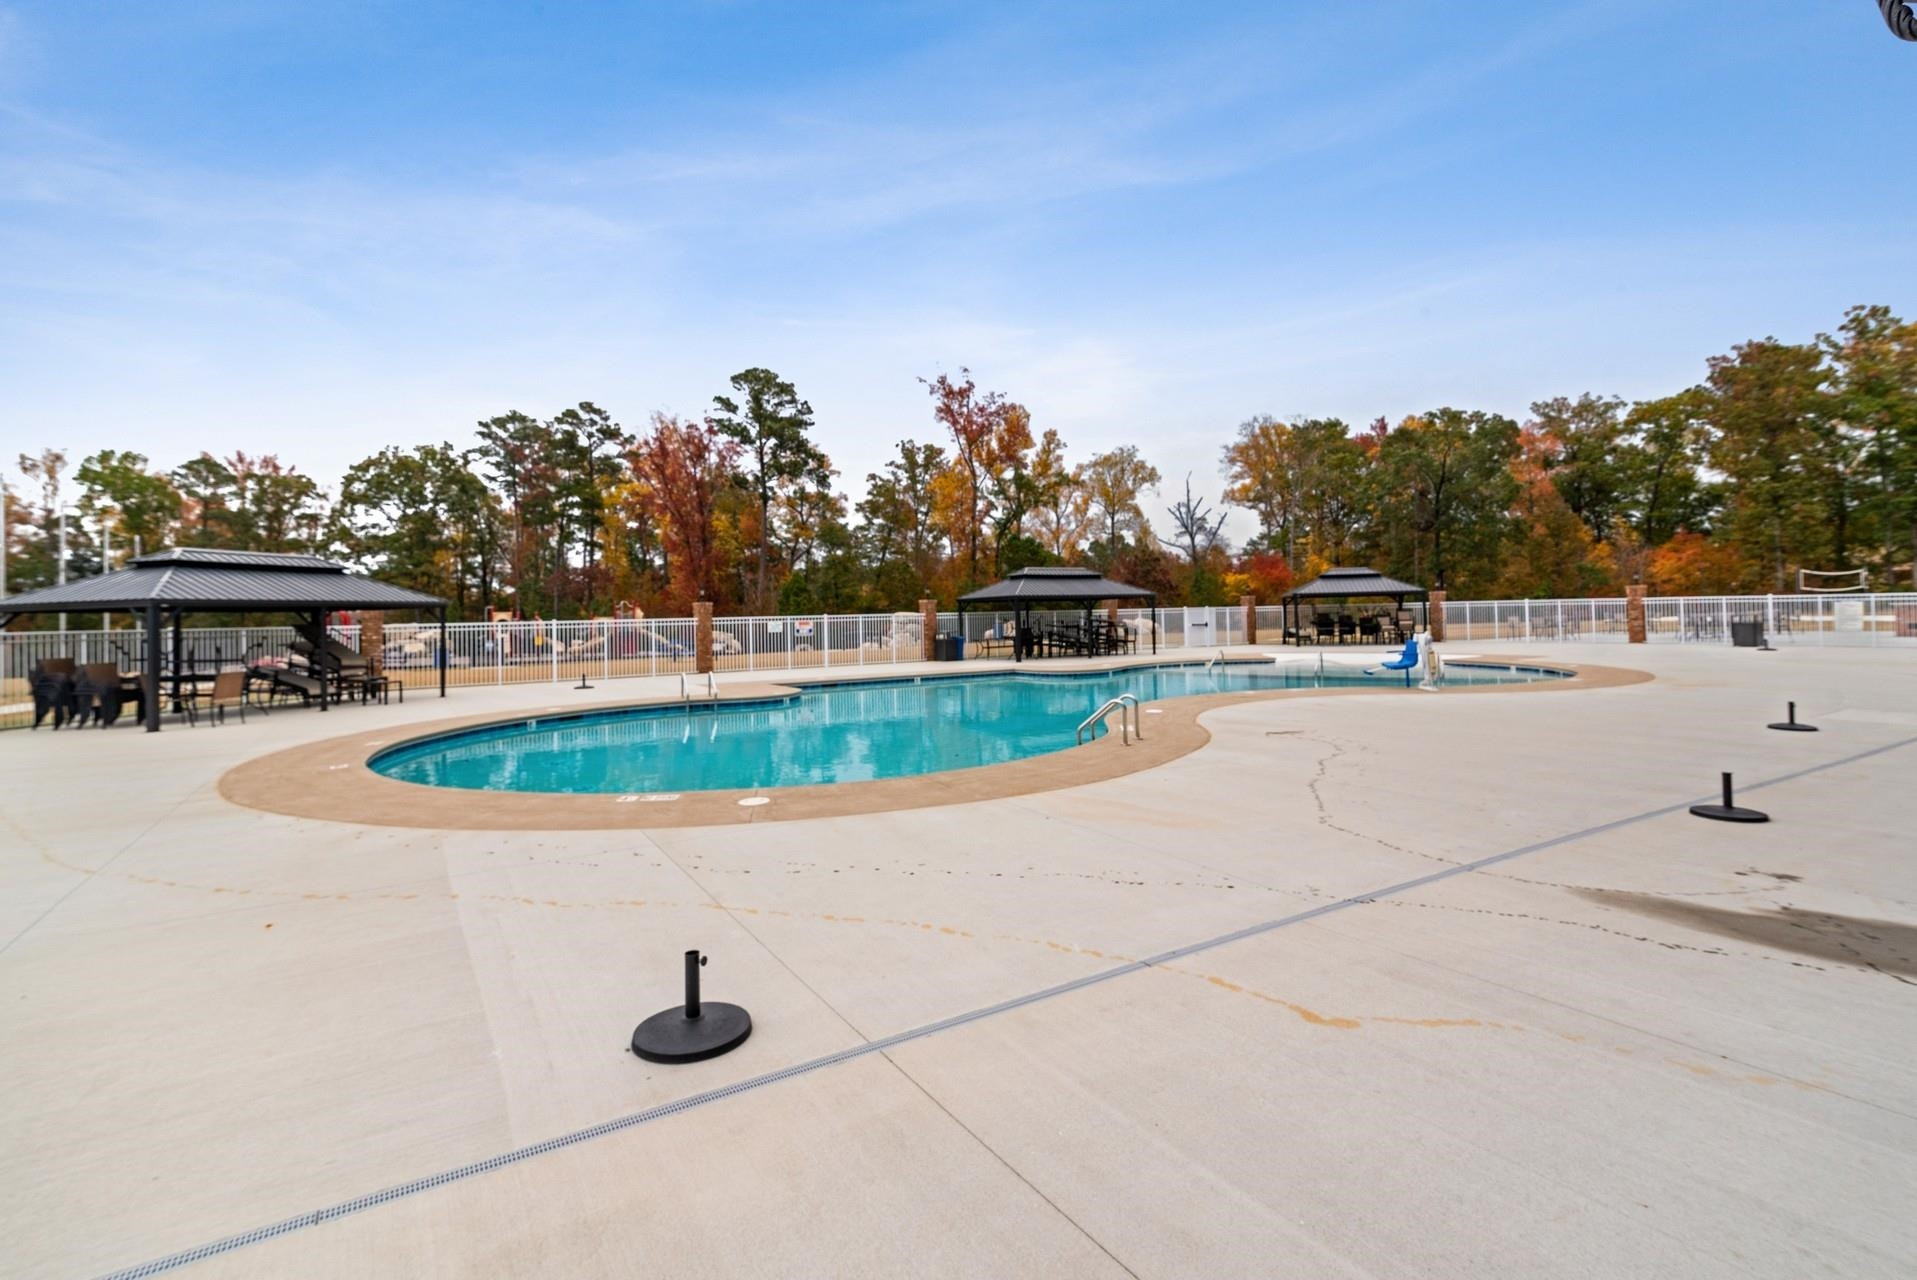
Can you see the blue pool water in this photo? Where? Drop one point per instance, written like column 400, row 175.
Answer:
column 851, row 732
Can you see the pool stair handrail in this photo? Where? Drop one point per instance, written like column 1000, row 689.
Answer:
column 1127, row 707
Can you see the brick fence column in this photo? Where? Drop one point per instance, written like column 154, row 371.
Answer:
column 702, row 636
column 928, row 629
column 372, row 640
column 1634, row 612
column 1250, row 605
column 1434, row 616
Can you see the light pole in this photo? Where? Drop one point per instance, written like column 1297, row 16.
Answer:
column 62, row 570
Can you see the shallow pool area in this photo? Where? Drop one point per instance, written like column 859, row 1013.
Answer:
column 855, row 731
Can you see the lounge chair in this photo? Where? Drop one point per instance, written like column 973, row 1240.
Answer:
column 284, row 682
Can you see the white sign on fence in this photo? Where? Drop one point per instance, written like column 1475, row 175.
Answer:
column 802, row 628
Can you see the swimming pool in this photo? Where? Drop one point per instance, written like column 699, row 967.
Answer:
column 855, row 731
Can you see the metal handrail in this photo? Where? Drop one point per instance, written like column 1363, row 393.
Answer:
column 1138, row 728
column 1124, row 726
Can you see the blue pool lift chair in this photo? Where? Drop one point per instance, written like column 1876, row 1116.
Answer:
column 1406, row 661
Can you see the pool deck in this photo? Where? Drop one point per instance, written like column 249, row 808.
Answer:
column 1642, row 1044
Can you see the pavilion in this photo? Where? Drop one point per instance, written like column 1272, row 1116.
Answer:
column 180, row 580
column 1349, row 584
column 1053, row 585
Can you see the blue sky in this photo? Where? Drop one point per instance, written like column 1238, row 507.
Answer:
column 320, row 229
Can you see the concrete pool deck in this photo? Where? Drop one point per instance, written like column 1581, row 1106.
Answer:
column 332, row 778
column 1647, row 1045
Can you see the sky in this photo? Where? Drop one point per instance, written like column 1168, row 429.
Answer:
column 316, row 230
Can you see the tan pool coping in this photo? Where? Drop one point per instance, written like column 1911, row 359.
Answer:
column 330, row 780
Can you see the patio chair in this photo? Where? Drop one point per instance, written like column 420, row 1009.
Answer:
column 1404, row 623
column 1347, row 628
column 1370, row 628
column 104, row 691
column 51, row 684
column 1322, row 625
column 228, row 689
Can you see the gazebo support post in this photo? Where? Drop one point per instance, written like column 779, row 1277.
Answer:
column 152, row 668
column 1154, row 600
column 318, row 666
column 444, row 658
column 176, row 657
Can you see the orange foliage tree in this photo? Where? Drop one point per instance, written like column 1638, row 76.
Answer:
column 685, row 469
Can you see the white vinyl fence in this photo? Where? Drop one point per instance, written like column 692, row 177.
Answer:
column 1880, row 619
column 605, row 649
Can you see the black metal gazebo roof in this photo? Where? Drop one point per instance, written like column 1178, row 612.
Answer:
column 182, row 580
column 1051, row 583
column 210, row 580
column 1348, row 583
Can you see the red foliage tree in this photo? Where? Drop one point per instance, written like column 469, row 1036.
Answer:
column 685, row 468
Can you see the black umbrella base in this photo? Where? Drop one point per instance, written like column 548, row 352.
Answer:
column 1791, row 726
column 670, row 1036
column 1729, row 813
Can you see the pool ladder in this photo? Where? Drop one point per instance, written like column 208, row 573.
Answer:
column 685, row 689
column 1128, row 726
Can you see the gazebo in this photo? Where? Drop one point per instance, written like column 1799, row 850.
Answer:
column 181, row 580
column 1053, row 585
column 1348, row 584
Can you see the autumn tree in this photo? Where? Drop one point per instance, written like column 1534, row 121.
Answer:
column 423, row 518
column 1873, row 359
column 1114, row 482
column 1261, row 469
column 992, row 438
column 1062, row 503
column 1581, row 445
column 899, row 523
column 777, row 458
column 142, row 505
column 686, row 468
column 1764, row 403
column 1449, row 473
column 1197, row 533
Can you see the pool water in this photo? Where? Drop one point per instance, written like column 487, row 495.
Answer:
column 850, row 732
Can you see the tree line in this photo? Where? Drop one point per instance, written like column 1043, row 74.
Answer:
column 1786, row 455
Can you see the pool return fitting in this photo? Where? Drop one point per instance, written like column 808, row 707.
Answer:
column 694, row 1031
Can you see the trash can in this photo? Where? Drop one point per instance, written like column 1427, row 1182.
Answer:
column 1747, row 633
column 948, row 646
